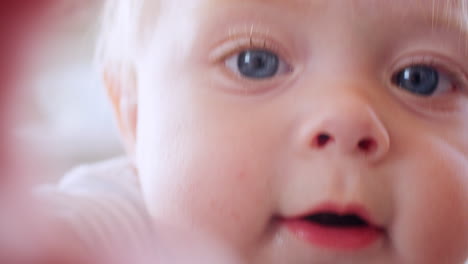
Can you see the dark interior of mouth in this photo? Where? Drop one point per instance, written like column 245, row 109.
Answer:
column 339, row 221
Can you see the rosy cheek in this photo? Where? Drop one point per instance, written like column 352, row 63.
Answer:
column 432, row 211
column 242, row 177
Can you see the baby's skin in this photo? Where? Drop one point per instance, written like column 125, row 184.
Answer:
column 303, row 131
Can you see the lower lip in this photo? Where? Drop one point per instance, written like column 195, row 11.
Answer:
column 344, row 239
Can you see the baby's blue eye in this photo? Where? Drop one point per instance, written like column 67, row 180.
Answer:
column 257, row 64
column 420, row 80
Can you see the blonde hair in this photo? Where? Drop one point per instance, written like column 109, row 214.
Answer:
column 464, row 10
column 123, row 32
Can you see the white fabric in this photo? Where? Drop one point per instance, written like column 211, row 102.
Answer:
column 101, row 204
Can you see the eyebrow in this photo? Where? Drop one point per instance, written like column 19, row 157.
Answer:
column 450, row 15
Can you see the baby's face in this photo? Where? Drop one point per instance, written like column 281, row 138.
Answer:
column 309, row 131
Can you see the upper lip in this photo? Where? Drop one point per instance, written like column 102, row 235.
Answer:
column 355, row 210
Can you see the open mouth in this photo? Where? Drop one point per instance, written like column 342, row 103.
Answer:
column 336, row 230
column 333, row 220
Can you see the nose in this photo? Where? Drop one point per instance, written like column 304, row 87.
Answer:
column 347, row 127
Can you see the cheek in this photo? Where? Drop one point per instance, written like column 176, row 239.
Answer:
column 200, row 169
column 217, row 190
column 432, row 207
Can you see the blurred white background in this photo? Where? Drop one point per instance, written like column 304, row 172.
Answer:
column 66, row 117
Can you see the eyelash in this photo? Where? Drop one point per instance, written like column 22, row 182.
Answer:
column 237, row 44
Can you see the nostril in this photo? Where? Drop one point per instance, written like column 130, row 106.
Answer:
column 366, row 144
column 323, row 139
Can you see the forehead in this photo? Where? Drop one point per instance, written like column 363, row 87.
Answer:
column 306, row 4
column 449, row 12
